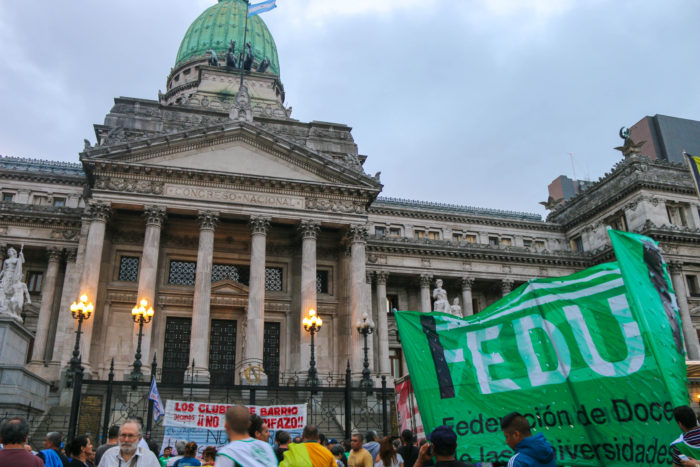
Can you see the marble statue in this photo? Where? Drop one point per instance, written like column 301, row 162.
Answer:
column 440, row 296
column 230, row 55
column 14, row 291
column 455, row 309
column 264, row 64
column 213, row 59
column 248, row 60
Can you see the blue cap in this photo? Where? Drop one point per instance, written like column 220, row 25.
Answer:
column 443, row 436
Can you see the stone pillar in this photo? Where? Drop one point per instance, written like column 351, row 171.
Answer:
column 369, row 306
column 506, row 286
column 425, row 305
column 309, row 232
column 382, row 323
column 256, row 292
column 46, row 310
column 64, row 323
column 357, row 237
column 690, row 335
column 199, row 345
column 467, row 302
column 90, row 278
column 148, row 272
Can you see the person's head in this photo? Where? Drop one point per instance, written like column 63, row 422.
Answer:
column 322, row 439
column 407, row 437
column 370, row 436
column 180, row 447
column 113, row 433
column 191, row 449
column 209, row 454
column 338, row 451
column 444, row 441
column 258, row 428
column 14, row 431
column 283, row 438
column 438, row 282
column 53, row 440
column 685, row 417
column 168, row 451
column 129, row 436
column 80, row 447
column 397, row 444
column 331, row 442
column 297, row 439
column 356, row 442
column 237, row 419
column 515, row 428
column 310, row 433
column 386, row 451
column 11, row 252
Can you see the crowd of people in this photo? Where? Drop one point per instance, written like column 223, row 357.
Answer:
column 249, row 446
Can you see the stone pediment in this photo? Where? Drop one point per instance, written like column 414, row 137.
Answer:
column 233, row 149
column 229, row 287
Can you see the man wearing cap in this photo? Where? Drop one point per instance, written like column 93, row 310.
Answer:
column 530, row 451
column 443, row 444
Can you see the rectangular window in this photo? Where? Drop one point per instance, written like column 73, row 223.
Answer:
column 457, row 237
column 8, row 197
column 692, row 281
column 506, row 241
column 222, row 351
column 419, row 233
column 176, row 349
column 396, row 362
column 676, row 214
column 59, row 202
column 393, row 303
column 617, row 222
column 230, row 272
column 577, row 244
column 527, row 243
column 540, row 245
column 321, row 281
column 394, row 232
column 182, row 272
column 494, row 241
column 432, row 235
column 40, row 200
column 34, row 280
column 475, row 305
column 379, row 231
column 271, row 352
column 273, row 279
column 128, row 268
column 470, row 238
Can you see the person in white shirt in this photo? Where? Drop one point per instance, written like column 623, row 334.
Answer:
column 128, row 453
column 243, row 451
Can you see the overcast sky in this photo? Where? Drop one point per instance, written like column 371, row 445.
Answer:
column 475, row 102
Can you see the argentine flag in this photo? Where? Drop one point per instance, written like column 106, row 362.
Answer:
column 154, row 395
column 261, row 7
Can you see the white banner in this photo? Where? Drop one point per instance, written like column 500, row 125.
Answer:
column 207, row 415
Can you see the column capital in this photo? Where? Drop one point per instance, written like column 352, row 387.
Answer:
column 357, row 233
column 155, row 215
column 467, row 283
column 54, row 254
column 382, row 277
column 425, row 280
column 507, row 285
column 207, row 220
column 309, row 228
column 675, row 267
column 259, row 225
column 98, row 211
column 71, row 254
column 368, row 277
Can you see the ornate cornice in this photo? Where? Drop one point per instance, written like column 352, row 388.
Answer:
column 129, row 185
column 343, row 206
column 259, row 225
column 155, row 215
column 45, row 216
column 675, row 267
column 309, row 229
column 207, row 220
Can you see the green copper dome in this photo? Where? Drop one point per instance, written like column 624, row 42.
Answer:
column 225, row 22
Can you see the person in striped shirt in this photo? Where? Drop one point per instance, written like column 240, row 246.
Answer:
column 686, row 449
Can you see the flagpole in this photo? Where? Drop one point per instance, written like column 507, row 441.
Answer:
column 245, row 37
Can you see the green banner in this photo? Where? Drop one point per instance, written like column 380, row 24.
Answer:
column 592, row 360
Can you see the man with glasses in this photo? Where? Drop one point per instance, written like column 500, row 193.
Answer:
column 128, row 453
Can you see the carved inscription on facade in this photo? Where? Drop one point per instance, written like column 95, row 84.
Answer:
column 232, row 196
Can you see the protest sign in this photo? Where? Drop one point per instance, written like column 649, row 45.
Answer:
column 592, row 360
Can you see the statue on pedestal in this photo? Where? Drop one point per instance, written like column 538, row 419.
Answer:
column 14, row 291
column 440, row 295
column 455, row 309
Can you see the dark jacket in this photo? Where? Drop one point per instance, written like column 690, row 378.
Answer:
column 533, row 451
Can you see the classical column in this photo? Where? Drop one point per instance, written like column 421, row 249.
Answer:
column 690, row 336
column 65, row 322
column 506, row 286
column 256, row 291
column 467, row 303
column 382, row 323
column 357, row 237
column 425, row 305
column 148, row 271
column 199, row 344
column 369, row 306
column 90, row 279
column 309, row 232
column 48, row 291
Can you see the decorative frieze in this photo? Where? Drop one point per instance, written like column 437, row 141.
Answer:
column 336, row 205
column 223, row 195
column 127, row 185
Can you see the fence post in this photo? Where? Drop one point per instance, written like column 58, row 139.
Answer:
column 252, row 396
column 108, row 402
column 75, row 402
column 385, row 417
column 149, row 415
column 348, row 402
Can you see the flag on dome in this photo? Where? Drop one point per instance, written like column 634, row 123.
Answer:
column 261, row 7
column 694, row 164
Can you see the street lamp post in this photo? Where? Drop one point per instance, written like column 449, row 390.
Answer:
column 81, row 311
column 312, row 324
column 141, row 314
column 365, row 326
